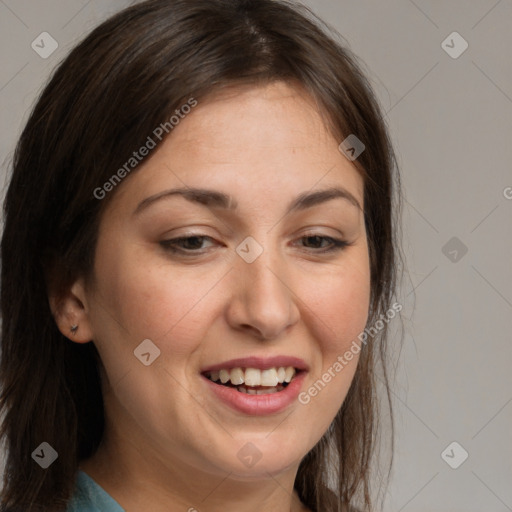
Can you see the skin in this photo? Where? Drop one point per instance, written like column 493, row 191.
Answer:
column 169, row 444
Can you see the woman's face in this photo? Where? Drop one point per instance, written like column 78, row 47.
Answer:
column 259, row 278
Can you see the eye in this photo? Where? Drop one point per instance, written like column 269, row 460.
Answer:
column 186, row 244
column 316, row 240
column 192, row 245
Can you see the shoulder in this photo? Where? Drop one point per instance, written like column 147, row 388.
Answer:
column 91, row 497
column 81, row 499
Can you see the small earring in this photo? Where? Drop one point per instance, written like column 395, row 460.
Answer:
column 74, row 328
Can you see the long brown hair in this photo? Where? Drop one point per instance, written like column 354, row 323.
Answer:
column 126, row 78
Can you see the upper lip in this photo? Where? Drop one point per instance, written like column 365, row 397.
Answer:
column 262, row 363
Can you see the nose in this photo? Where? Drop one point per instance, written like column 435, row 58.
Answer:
column 262, row 302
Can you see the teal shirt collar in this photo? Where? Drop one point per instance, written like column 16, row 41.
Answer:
column 91, row 497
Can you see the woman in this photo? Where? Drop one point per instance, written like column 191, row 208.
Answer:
column 198, row 266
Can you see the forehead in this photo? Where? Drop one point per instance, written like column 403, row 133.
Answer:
column 250, row 141
column 278, row 117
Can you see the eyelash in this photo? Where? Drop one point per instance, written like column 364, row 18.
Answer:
column 337, row 245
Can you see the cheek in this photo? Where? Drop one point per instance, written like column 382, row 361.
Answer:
column 140, row 297
column 338, row 307
column 148, row 299
column 340, row 302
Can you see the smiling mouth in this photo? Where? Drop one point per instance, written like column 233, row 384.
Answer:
column 253, row 381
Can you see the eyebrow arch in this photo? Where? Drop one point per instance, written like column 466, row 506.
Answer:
column 216, row 199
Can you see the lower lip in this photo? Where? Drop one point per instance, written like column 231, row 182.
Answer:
column 258, row 405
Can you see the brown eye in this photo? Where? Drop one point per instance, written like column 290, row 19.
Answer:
column 316, row 242
column 186, row 244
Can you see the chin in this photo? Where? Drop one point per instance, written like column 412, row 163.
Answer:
column 260, row 458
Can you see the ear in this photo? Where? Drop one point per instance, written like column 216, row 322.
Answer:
column 71, row 313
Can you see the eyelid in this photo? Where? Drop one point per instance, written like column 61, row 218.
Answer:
column 336, row 244
column 167, row 244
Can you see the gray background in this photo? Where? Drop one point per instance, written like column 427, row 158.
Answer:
column 451, row 122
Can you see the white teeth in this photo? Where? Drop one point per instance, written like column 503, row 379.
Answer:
column 224, row 376
column 237, row 376
column 252, row 377
column 270, row 377
column 290, row 372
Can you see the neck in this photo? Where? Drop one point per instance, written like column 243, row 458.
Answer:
column 142, row 481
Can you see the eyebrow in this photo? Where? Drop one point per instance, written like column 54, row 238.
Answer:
column 216, row 199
